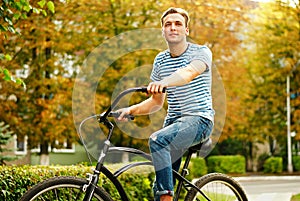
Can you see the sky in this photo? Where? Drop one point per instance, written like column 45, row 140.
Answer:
column 291, row 1
column 262, row 0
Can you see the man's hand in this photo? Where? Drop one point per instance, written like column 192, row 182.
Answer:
column 148, row 106
column 123, row 112
column 156, row 87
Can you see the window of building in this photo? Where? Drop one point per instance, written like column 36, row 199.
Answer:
column 20, row 147
column 63, row 147
column 58, row 147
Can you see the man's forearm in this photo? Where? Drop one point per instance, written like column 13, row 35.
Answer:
column 178, row 78
column 184, row 75
column 148, row 106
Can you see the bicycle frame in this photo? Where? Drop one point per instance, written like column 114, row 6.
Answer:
column 113, row 177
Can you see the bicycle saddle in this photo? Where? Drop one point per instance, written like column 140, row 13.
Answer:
column 202, row 147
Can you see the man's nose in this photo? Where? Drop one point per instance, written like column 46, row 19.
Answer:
column 173, row 27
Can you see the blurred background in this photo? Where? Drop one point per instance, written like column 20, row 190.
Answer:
column 44, row 46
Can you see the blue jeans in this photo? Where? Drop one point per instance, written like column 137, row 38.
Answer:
column 169, row 144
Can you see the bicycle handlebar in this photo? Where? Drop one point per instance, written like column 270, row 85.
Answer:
column 102, row 118
column 118, row 98
column 117, row 114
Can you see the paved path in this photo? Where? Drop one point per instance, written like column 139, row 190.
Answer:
column 271, row 197
column 270, row 188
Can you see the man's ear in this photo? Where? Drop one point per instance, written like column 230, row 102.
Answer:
column 162, row 33
column 187, row 31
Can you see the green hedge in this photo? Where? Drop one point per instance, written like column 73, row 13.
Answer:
column 226, row 164
column 16, row 180
column 296, row 163
column 273, row 165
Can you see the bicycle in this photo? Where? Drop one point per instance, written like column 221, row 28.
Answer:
column 210, row 187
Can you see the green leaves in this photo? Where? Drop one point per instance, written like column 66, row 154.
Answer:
column 5, row 56
column 50, row 5
column 12, row 11
column 9, row 77
column 7, row 20
column 42, row 3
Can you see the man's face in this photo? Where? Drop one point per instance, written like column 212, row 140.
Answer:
column 174, row 29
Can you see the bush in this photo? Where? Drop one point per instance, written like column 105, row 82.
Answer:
column 296, row 163
column 16, row 180
column 273, row 165
column 226, row 164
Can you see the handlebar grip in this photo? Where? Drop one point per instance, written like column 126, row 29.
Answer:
column 117, row 114
column 144, row 90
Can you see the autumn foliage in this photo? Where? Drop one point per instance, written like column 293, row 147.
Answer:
column 248, row 41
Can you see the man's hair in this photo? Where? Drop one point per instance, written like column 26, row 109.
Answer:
column 180, row 11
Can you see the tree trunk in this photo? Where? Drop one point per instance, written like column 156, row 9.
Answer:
column 44, row 154
column 44, row 159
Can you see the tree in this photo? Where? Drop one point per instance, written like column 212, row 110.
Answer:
column 218, row 25
column 54, row 49
column 273, row 42
column 42, row 105
column 11, row 11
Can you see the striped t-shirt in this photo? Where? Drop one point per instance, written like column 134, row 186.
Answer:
column 193, row 98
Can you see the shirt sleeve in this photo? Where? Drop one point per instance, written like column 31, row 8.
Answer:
column 202, row 53
column 155, row 76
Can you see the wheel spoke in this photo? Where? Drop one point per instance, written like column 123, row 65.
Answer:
column 63, row 189
column 217, row 187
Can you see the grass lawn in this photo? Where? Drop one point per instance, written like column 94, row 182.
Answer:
column 296, row 197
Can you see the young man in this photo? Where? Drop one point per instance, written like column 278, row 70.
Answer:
column 185, row 70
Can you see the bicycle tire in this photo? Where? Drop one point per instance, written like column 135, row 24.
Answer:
column 63, row 188
column 217, row 187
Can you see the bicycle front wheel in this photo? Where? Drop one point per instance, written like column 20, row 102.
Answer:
column 63, row 189
column 217, row 187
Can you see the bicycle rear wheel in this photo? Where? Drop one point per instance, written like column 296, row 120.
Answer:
column 217, row 187
column 63, row 189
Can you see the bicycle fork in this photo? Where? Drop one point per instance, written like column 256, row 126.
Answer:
column 90, row 187
column 93, row 179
